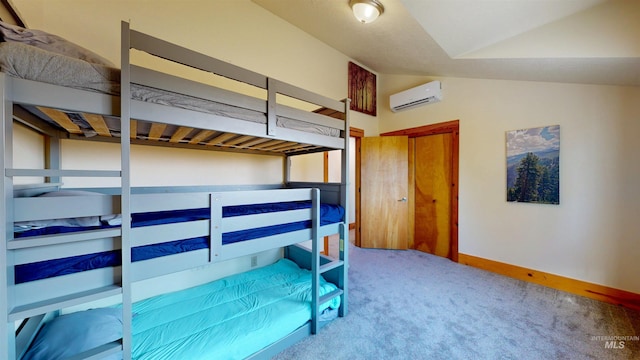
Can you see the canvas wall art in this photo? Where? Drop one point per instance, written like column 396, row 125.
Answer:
column 533, row 165
column 362, row 90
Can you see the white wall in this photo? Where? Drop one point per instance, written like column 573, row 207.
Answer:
column 593, row 234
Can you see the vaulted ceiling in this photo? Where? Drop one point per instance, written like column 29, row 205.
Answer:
column 572, row 41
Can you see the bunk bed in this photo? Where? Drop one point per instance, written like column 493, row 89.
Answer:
column 67, row 247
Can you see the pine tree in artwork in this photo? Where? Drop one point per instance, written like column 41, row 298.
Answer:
column 549, row 186
column 528, row 179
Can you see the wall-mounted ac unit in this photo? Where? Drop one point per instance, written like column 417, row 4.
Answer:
column 424, row 94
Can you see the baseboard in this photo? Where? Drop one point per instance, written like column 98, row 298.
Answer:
column 578, row 287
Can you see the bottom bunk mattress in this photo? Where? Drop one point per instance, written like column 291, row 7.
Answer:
column 230, row 318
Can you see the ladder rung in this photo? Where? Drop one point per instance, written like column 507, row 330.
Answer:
column 328, row 297
column 41, row 307
column 331, row 265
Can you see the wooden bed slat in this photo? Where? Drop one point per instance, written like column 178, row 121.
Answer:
column 180, row 134
column 330, row 112
column 279, row 147
column 203, row 134
column 253, row 143
column 300, row 147
column 133, row 126
column 61, row 119
column 156, row 131
column 238, row 140
column 97, row 123
column 221, row 139
column 295, row 146
column 270, row 144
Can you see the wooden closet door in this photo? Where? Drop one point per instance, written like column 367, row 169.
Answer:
column 433, row 171
column 384, row 192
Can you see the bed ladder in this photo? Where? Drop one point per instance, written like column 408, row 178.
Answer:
column 322, row 265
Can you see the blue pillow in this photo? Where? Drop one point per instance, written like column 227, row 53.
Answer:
column 73, row 333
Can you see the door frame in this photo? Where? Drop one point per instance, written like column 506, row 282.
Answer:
column 357, row 134
column 452, row 127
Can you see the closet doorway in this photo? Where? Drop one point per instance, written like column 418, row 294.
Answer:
column 433, row 188
column 384, row 192
column 432, row 193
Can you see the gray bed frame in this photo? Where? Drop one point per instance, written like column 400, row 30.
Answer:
column 35, row 302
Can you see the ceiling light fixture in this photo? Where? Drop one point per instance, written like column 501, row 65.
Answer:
column 366, row 11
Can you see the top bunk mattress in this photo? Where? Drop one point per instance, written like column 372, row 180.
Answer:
column 31, row 63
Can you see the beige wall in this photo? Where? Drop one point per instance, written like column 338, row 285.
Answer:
column 159, row 166
column 28, row 152
column 593, row 234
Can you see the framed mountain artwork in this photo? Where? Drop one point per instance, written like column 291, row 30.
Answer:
column 533, row 165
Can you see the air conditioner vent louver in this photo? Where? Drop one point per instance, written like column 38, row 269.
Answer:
column 420, row 95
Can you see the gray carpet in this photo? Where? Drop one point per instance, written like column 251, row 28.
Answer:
column 412, row 305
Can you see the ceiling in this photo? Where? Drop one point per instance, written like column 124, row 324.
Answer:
column 569, row 41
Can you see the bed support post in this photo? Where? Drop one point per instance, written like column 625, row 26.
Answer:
column 286, row 168
column 52, row 156
column 315, row 259
column 125, row 178
column 6, row 216
column 215, row 239
column 271, row 107
column 344, row 201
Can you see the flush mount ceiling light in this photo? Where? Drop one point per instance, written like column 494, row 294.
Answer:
column 366, row 11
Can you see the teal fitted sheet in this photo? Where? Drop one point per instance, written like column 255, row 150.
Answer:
column 230, row 318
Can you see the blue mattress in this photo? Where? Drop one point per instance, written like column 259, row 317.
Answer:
column 63, row 266
column 230, row 318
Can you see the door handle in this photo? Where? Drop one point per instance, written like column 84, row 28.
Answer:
column 404, row 199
